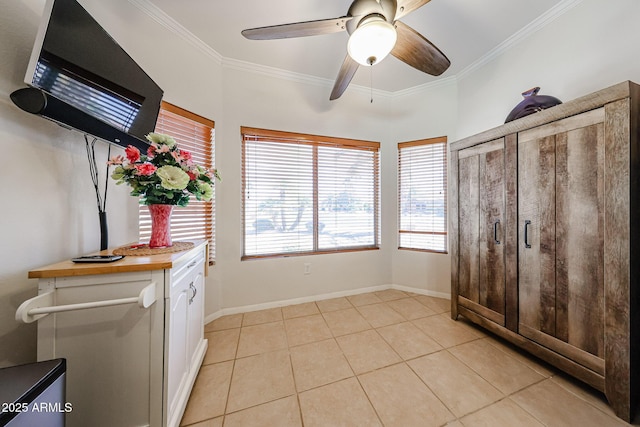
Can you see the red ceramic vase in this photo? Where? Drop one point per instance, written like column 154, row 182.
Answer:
column 160, row 225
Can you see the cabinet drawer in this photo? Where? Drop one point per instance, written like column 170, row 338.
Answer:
column 184, row 273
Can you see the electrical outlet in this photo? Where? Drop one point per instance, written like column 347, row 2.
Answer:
column 307, row 268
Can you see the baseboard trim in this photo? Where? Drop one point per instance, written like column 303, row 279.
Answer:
column 321, row 297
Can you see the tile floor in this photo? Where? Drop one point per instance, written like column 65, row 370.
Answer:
column 387, row 358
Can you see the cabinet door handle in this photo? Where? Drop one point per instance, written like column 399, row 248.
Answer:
column 495, row 231
column 195, row 291
column 527, row 223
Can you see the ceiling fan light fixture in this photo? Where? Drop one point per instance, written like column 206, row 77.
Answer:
column 372, row 41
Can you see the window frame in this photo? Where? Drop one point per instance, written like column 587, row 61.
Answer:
column 444, row 166
column 276, row 136
column 203, row 211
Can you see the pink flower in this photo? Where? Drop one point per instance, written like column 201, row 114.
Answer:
column 146, row 169
column 116, row 160
column 185, row 154
column 133, row 154
column 151, row 151
column 163, row 149
column 192, row 176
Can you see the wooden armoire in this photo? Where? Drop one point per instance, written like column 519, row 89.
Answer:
column 545, row 237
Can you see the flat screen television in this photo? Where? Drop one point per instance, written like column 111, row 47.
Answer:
column 81, row 78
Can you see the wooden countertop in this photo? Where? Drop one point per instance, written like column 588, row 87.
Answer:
column 125, row 265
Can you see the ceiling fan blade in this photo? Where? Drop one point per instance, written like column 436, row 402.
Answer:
column 407, row 6
column 346, row 73
column 413, row 49
column 298, row 29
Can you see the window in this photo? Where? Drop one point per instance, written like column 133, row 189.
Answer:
column 422, row 194
column 195, row 134
column 308, row 194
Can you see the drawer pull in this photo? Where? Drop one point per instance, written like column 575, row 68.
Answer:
column 495, row 231
column 527, row 223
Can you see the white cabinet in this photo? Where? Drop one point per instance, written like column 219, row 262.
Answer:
column 127, row 365
column 184, row 318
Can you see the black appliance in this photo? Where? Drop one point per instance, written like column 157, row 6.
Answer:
column 33, row 395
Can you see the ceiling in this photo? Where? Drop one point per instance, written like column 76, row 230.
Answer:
column 465, row 30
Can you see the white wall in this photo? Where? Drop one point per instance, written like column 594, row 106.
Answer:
column 49, row 210
column 592, row 46
column 269, row 102
column 419, row 114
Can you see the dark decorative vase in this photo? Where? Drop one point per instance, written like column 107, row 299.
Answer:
column 532, row 103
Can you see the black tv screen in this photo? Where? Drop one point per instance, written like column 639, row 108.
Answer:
column 77, row 62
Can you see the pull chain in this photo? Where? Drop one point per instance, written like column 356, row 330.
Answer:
column 371, row 82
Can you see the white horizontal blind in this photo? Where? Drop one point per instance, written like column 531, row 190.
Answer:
column 347, row 193
column 422, row 194
column 195, row 134
column 308, row 194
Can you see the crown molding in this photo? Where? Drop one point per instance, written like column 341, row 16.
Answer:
column 168, row 22
column 172, row 25
column 526, row 31
column 236, row 64
column 446, row 81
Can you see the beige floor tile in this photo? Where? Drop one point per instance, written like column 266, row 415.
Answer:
column 555, row 406
column 299, row 310
column 367, row 351
column 214, row 422
column 262, row 316
column 502, row 413
column 303, row 330
column 333, row 304
column 318, row 363
column 209, row 394
column 380, row 314
column 363, row 299
column 459, row 387
column 260, row 379
column 344, row 322
column 483, row 358
column 401, row 399
column 585, row 392
column 438, row 305
column 224, row 322
column 408, row 341
column 261, row 338
column 281, row 350
column 339, row 404
column 445, row 331
column 531, row 361
column 390, row 294
column 222, row 345
column 279, row 413
column 410, row 309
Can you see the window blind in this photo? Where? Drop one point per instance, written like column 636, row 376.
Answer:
column 195, row 134
column 422, row 194
column 308, row 194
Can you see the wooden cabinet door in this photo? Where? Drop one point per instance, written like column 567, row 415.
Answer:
column 481, row 222
column 561, row 236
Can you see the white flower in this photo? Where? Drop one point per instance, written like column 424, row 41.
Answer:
column 173, row 178
column 161, row 139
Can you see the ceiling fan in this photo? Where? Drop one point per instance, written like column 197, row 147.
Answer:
column 374, row 32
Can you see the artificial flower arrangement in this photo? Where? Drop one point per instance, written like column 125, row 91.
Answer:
column 165, row 175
